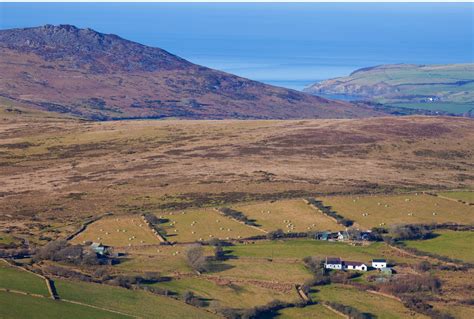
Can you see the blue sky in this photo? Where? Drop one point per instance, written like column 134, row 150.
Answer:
column 280, row 42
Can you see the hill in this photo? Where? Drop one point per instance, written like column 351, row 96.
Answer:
column 448, row 88
column 97, row 76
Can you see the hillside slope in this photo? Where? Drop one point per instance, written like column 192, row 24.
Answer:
column 98, row 76
column 437, row 87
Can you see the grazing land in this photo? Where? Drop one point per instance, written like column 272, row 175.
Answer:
column 135, row 303
column 465, row 196
column 380, row 306
column 452, row 244
column 118, row 231
column 58, row 174
column 13, row 306
column 288, row 215
column 373, row 211
column 202, row 225
column 20, row 280
column 224, row 292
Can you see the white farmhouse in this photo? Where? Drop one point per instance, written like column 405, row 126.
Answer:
column 333, row 263
column 355, row 265
column 379, row 263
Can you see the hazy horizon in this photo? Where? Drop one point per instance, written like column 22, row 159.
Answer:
column 290, row 45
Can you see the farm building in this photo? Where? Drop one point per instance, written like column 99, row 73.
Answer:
column 333, row 263
column 355, row 265
column 379, row 263
column 98, row 248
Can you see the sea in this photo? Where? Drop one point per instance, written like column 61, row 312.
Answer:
column 285, row 44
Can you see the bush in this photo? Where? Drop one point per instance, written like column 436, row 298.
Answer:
column 413, row 284
column 196, row 259
column 237, row 215
column 328, row 211
column 410, row 232
column 275, row 234
column 190, row 298
column 314, row 264
column 351, row 312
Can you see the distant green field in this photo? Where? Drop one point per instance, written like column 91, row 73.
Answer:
column 452, row 244
column 380, row 306
column 455, row 108
column 448, row 87
column 17, row 279
column 16, row 306
column 467, row 196
column 137, row 303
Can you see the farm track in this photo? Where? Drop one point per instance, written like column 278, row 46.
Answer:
column 335, row 311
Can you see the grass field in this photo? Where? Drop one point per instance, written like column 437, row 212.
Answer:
column 298, row 249
column 452, row 244
column 137, row 303
column 17, row 279
column 282, row 271
column 118, row 231
column 225, row 293
column 14, row 306
column 466, row 196
column 202, row 225
column 381, row 306
column 400, row 209
column 165, row 259
column 314, row 311
column 290, row 215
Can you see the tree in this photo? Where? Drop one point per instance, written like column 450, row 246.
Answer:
column 196, row 259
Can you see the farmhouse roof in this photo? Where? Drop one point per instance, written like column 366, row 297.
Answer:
column 379, row 260
column 333, row 261
column 354, row 263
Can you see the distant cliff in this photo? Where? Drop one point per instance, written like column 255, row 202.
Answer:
column 448, row 88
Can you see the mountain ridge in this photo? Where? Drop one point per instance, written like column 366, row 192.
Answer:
column 99, row 76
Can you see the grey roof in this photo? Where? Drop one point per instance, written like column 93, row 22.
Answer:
column 379, row 260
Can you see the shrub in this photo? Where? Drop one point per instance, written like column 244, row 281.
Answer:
column 196, row 259
column 275, row 234
column 190, row 298
column 237, row 215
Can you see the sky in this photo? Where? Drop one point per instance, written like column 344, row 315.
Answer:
column 287, row 44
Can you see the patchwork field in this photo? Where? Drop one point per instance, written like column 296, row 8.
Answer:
column 300, row 248
column 165, row 259
column 317, row 311
column 17, row 279
column 136, row 303
column 466, row 196
column 202, row 225
column 224, row 292
column 118, row 231
column 452, row 244
column 380, row 306
column 14, row 306
column 289, row 215
column 372, row 211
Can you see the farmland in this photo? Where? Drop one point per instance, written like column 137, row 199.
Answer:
column 203, row 224
column 372, row 211
column 58, row 174
column 289, row 215
column 14, row 306
column 118, row 231
column 466, row 196
column 452, row 244
column 17, row 279
column 380, row 306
